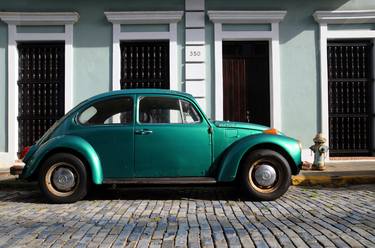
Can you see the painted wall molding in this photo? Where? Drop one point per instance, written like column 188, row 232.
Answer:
column 243, row 17
column 41, row 19
column 345, row 17
column 333, row 17
column 144, row 17
column 265, row 17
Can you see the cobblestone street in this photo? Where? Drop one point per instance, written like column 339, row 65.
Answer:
column 191, row 217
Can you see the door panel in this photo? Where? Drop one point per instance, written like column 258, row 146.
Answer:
column 109, row 127
column 350, row 97
column 171, row 139
column 114, row 145
column 41, row 89
column 246, row 81
column 173, row 150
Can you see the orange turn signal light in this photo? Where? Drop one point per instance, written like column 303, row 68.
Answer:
column 271, row 131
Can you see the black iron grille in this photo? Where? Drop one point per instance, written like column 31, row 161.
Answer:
column 145, row 64
column 41, row 89
column 349, row 82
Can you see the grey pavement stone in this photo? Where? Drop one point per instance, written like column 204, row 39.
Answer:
column 191, row 217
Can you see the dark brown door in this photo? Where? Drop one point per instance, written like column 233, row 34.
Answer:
column 350, row 97
column 41, row 83
column 246, row 81
column 144, row 64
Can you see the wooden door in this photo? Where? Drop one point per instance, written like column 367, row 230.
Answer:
column 246, row 81
column 235, row 90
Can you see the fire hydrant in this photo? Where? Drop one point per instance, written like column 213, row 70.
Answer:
column 320, row 151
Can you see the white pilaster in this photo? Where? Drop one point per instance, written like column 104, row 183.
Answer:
column 195, row 68
column 219, row 94
column 275, row 87
column 12, row 93
column 68, row 67
column 116, row 56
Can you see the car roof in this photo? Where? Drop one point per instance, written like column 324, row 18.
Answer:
column 140, row 91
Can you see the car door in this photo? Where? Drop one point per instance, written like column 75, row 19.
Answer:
column 172, row 139
column 108, row 125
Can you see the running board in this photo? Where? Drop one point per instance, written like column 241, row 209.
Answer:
column 163, row 180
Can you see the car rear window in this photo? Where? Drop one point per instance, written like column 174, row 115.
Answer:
column 110, row 111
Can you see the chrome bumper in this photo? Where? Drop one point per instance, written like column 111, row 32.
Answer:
column 17, row 168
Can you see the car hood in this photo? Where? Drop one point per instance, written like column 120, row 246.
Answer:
column 239, row 125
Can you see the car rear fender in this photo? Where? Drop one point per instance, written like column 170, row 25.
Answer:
column 232, row 157
column 66, row 143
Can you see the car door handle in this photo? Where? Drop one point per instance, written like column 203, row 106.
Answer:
column 143, row 131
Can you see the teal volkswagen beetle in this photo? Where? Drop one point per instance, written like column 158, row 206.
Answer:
column 153, row 136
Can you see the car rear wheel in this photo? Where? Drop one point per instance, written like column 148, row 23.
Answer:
column 266, row 175
column 63, row 178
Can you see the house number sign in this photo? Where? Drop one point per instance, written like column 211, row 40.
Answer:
column 194, row 53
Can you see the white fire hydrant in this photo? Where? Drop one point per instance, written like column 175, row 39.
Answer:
column 320, row 151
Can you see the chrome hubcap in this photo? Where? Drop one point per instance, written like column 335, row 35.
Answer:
column 265, row 175
column 63, row 179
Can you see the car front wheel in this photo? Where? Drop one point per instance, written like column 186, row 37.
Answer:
column 63, row 178
column 266, row 175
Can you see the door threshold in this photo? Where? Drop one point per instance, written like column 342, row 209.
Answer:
column 163, row 180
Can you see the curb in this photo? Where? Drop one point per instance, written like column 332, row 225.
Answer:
column 333, row 181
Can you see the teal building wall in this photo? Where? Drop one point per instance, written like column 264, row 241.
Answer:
column 299, row 51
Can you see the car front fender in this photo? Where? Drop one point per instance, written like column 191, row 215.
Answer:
column 232, row 157
column 61, row 143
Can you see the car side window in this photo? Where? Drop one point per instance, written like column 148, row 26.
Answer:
column 190, row 114
column 111, row 111
column 166, row 110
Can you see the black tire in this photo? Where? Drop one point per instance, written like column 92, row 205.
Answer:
column 63, row 162
column 280, row 166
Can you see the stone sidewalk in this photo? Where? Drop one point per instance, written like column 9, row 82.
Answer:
column 338, row 173
column 191, row 217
